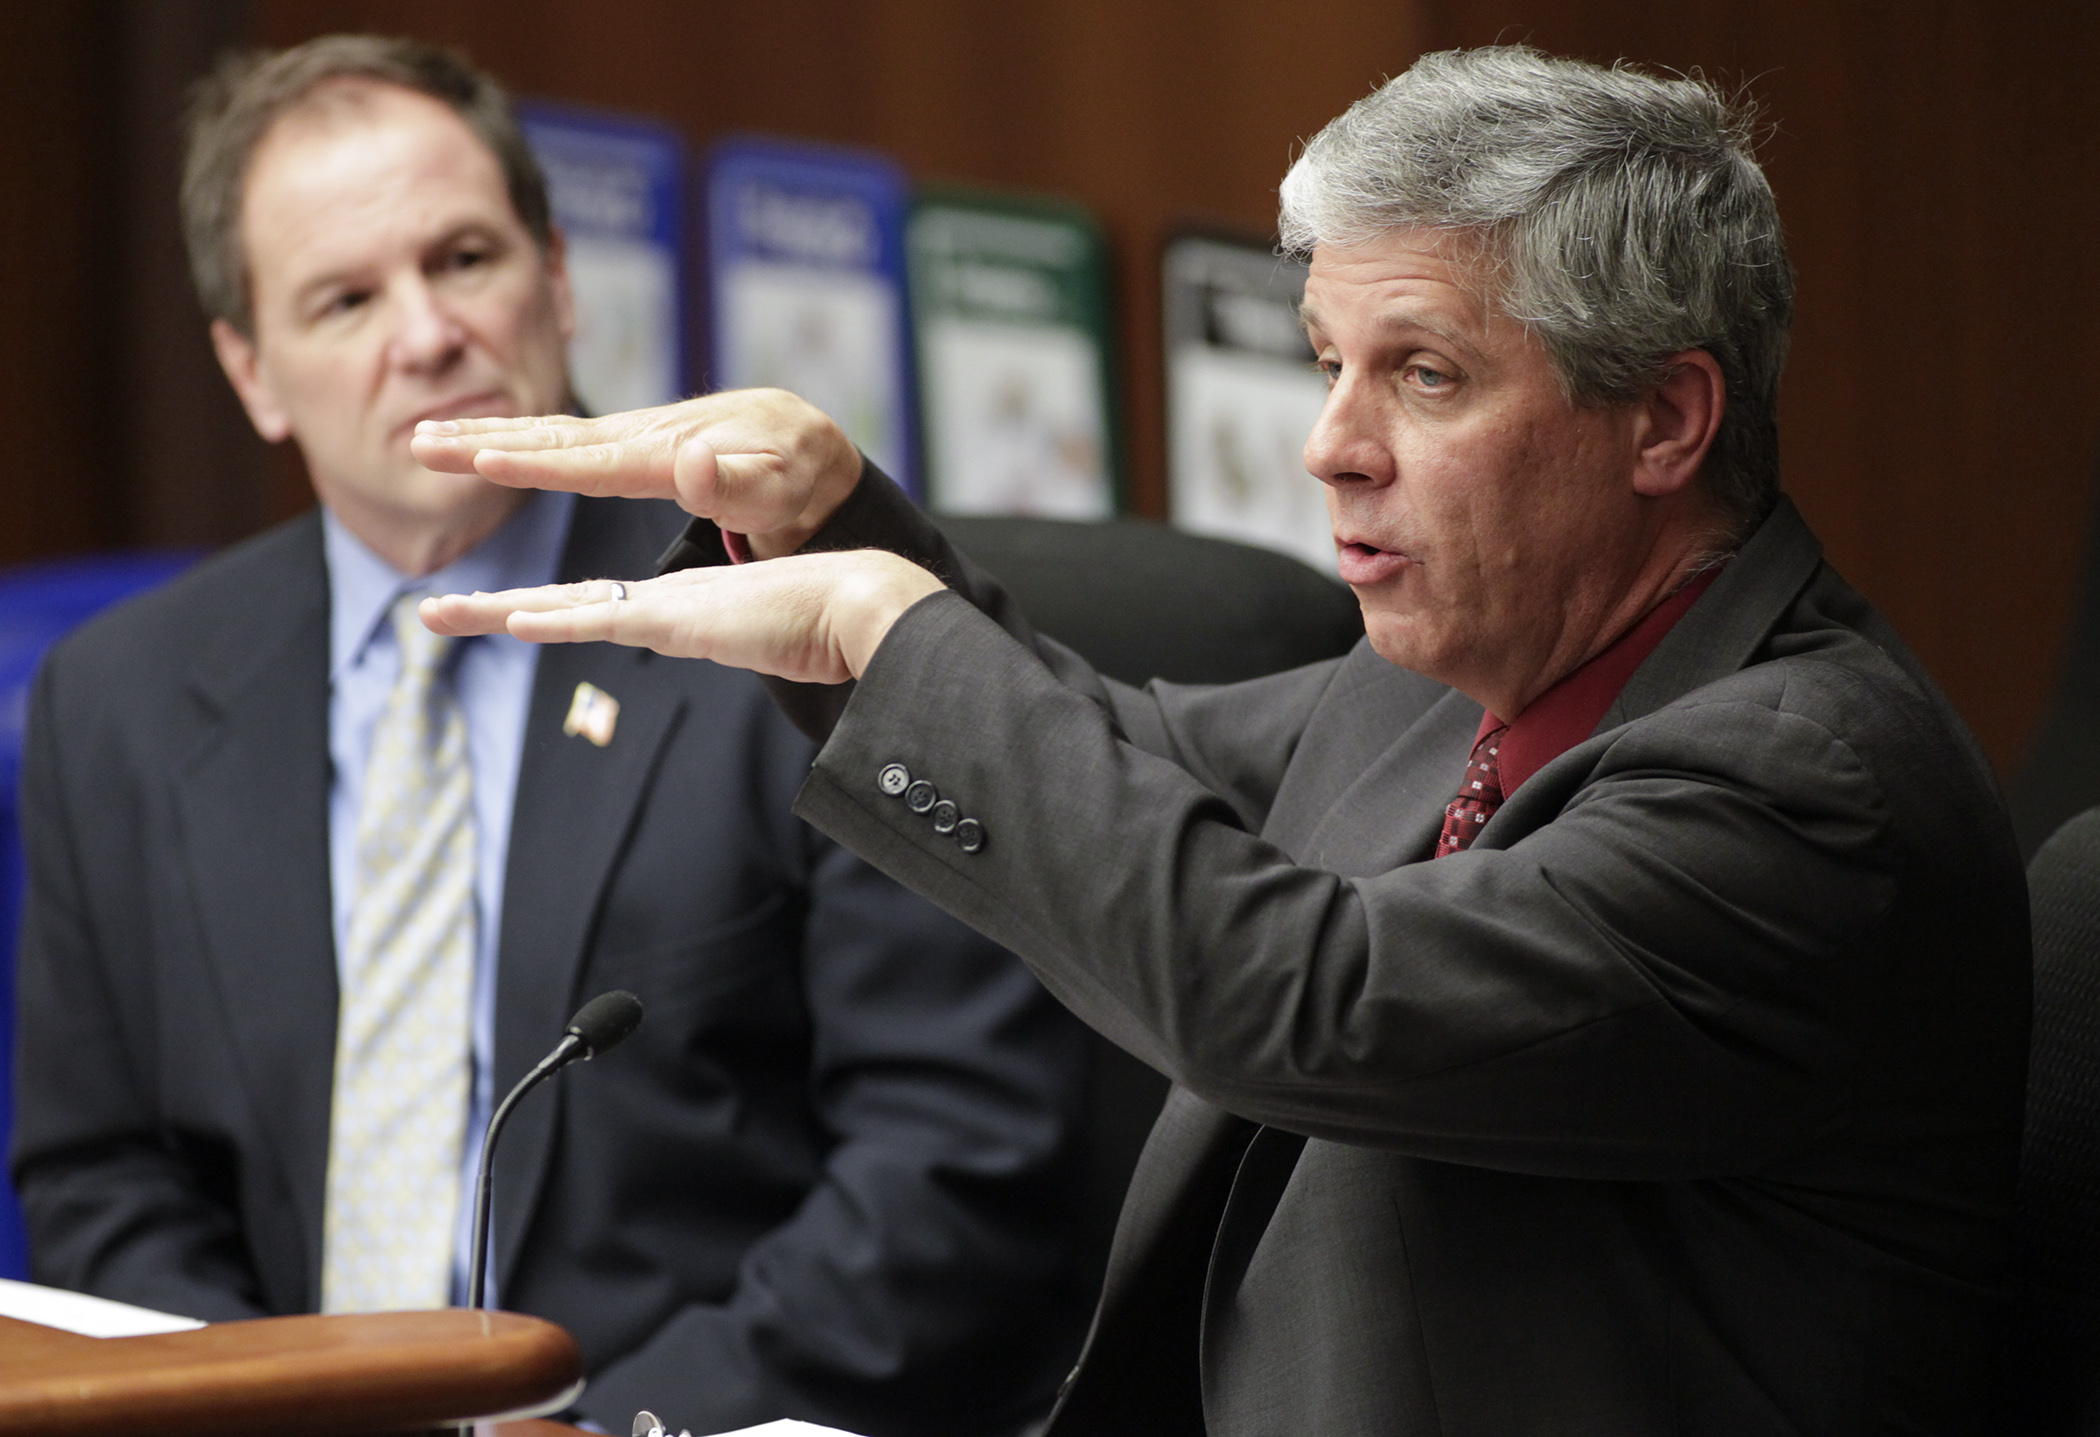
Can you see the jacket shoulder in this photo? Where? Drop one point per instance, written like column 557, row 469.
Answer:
column 229, row 603
column 1837, row 659
column 1834, row 668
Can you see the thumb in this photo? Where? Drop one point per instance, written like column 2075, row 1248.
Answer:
column 753, row 493
column 696, row 478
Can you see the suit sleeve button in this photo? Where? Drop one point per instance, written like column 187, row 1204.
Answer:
column 893, row 779
column 969, row 835
column 945, row 815
column 921, row 796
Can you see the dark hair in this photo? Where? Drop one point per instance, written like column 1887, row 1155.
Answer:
column 235, row 106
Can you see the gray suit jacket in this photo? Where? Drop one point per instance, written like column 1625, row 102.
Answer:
column 1686, row 1102
column 830, row 1177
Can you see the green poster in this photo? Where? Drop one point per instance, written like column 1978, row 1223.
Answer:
column 1010, row 315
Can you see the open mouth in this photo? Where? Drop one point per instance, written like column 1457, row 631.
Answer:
column 1362, row 563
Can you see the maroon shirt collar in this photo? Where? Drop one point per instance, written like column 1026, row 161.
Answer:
column 1566, row 714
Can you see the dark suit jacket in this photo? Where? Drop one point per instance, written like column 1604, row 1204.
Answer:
column 828, row 1177
column 1686, row 1102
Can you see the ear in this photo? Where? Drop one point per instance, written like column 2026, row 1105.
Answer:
column 243, row 365
column 557, row 262
column 1677, row 422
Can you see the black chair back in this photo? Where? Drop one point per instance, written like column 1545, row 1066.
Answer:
column 1142, row 601
column 2061, row 775
column 2053, row 1354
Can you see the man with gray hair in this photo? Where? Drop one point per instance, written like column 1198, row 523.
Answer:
column 1598, row 1004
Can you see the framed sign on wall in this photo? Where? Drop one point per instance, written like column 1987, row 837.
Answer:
column 1011, row 320
column 1242, row 397
column 805, row 248
column 616, row 185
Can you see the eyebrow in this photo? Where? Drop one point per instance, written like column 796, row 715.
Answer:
column 306, row 293
column 1310, row 317
column 335, row 278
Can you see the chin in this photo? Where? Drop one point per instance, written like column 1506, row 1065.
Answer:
column 438, row 494
column 1394, row 647
column 1398, row 639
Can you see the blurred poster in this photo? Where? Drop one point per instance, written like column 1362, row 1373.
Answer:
column 1242, row 397
column 1009, row 305
column 617, row 188
column 806, row 270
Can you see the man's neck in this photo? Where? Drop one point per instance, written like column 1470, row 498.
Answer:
column 415, row 545
column 1684, row 550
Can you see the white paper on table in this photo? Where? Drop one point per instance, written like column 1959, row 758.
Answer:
column 785, row 1427
column 88, row 1316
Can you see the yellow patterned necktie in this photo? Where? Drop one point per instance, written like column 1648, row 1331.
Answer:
column 401, row 1054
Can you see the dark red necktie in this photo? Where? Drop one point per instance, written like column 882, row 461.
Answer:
column 1479, row 795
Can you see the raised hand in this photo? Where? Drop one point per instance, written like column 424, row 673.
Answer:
column 761, row 462
column 814, row 618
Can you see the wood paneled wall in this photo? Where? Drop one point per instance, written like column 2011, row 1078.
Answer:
column 56, row 253
column 1935, row 162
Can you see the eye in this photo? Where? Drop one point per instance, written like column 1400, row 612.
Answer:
column 346, row 302
column 1429, row 377
column 1329, row 370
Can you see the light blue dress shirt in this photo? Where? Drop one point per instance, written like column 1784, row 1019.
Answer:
column 493, row 678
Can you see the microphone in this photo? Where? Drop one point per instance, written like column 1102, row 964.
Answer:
column 599, row 1026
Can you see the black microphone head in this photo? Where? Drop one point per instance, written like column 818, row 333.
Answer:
column 606, row 1020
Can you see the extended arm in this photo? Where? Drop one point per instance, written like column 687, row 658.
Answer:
column 1668, row 979
column 1720, row 956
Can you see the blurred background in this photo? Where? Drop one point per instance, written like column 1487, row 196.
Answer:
column 1935, row 162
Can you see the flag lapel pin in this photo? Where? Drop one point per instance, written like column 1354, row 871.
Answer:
column 592, row 713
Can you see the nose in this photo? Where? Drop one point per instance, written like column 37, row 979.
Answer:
column 1346, row 446
column 427, row 337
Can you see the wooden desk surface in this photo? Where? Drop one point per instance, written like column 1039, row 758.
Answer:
column 370, row 1373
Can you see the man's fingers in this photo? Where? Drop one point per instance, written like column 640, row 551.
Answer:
column 493, row 428
column 450, row 445
column 633, row 469
column 462, row 615
column 587, row 624
column 759, row 461
column 815, row 618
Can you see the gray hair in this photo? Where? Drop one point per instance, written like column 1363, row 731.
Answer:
column 1623, row 218
column 235, row 106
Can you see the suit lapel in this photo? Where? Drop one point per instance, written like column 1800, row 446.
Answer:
column 253, row 804
column 575, row 804
column 1391, row 813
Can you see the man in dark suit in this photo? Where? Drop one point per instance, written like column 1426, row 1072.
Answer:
column 1598, row 1003
column 829, row 1177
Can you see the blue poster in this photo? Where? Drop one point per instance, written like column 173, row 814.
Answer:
column 617, row 188
column 805, row 250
